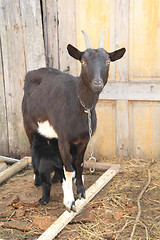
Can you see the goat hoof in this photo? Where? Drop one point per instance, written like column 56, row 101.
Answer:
column 74, row 208
column 70, row 207
column 37, row 184
column 82, row 195
column 81, row 191
column 43, row 202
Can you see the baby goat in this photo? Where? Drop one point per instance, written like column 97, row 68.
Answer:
column 53, row 107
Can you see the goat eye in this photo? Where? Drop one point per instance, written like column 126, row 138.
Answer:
column 83, row 62
column 108, row 61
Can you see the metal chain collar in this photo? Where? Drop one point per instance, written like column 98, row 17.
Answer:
column 92, row 158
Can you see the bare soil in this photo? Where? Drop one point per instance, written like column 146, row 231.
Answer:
column 110, row 215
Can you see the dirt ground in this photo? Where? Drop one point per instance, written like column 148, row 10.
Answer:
column 131, row 199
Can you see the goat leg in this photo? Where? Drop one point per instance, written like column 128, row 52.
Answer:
column 68, row 196
column 79, row 169
column 46, row 187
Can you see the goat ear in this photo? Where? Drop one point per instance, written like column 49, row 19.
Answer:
column 74, row 52
column 117, row 54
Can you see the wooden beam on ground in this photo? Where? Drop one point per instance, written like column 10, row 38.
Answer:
column 66, row 217
column 8, row 160
column 98, row 165
column 16, row 167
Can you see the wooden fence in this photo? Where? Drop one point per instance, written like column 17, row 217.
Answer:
column 35, row 33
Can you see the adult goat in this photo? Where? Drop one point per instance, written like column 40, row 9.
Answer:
column 54, row 106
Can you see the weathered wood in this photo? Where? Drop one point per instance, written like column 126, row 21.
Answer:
column 3, row 113
column 16, row 167
column 105, row 137
column 144, row 137
column 32, row 34
column 67, row 34
column 50, row 21
column 99, row 165
column 14, row 71
column 111, row 34
column 121, row 38
column 122, row 128
column 66, row 217
column 3, row 166
column 8, row 160
column 144, row 39
column 145, row 91
column 22, row 50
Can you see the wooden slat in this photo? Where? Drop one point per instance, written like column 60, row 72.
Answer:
column 32, row 34
column 67, row 34
column 122, row 130
column 50, row 21
column 104, row 140
column 112, row 37
column 3, row 113
column 122, row 28
column 121, row 39
column 132, row 91
column 144, row 129
column 144, row 39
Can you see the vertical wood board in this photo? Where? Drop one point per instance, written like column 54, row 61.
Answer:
column 144, row 40
column 104, row 140
column 3, row 113
column 67, row 34
column 50, row 21
column 122, row 129
column 121, row 38
column 32, row 34
column 144, row 129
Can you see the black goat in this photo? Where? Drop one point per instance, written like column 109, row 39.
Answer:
column 53, row 106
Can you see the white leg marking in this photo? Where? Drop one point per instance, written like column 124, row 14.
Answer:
column 74, row 180
column 34, row 177
column 83, row 179
column 68, row 199
column 45, row 129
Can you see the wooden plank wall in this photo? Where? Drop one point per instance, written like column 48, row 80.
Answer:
column 35, row 33
column 22, row 49
column 128, row 112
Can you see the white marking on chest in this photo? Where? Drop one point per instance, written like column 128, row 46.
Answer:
column 45, row 129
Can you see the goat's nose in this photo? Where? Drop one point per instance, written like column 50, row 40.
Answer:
column 97, row 82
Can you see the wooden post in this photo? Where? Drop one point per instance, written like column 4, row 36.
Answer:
column 16, row 167
column 66, row 217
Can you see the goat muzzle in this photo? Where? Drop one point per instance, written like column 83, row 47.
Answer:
column 97, row 85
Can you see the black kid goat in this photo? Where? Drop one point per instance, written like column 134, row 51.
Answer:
column 54, row 106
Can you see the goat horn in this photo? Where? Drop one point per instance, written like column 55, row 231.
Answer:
column 87, row 40
column 101, row 41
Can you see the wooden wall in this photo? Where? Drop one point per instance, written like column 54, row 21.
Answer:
column 128, row 112
column 35, row 33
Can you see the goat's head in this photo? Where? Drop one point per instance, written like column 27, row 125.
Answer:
column 95, row 63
